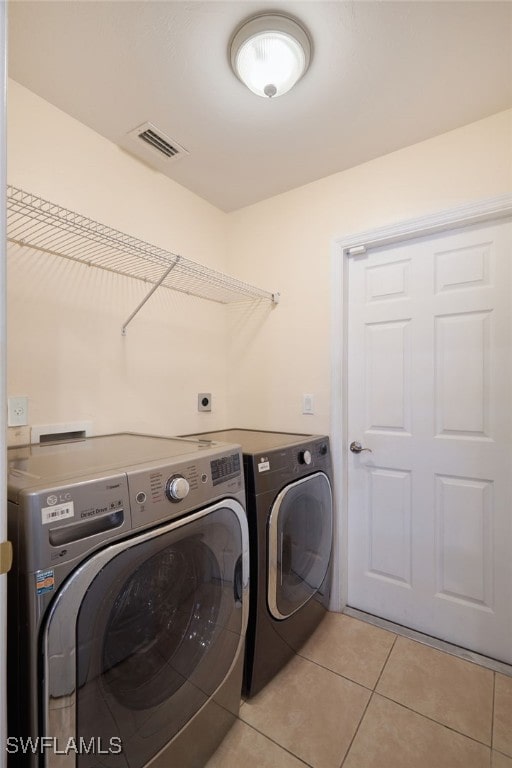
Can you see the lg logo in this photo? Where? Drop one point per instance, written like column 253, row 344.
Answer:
column 62, row 498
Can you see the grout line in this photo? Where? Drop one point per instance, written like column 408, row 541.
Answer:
column 357, row 730
column 493, row 705
column 427, row 717
column 432, row 642
column 338, row 674
column 385, row 663
column 266, row 736
column 432, row 720
column 369, row 701
column 351, row 679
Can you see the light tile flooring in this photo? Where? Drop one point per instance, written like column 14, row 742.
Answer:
column 359, row 696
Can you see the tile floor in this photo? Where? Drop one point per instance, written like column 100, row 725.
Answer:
column 359, row 696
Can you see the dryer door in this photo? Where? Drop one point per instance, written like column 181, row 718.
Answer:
column 142, row 635
column 299, row 543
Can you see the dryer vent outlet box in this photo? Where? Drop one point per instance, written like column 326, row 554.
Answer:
column 204, row 401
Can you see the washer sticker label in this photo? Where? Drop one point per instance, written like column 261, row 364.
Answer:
column 58, row 512
column 45, row 582
column 263, row 465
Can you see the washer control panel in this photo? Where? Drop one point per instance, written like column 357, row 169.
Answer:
column 177, row 488
column 225, row 468
column 67, row 499
column 162, row 492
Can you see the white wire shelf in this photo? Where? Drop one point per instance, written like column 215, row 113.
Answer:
column 36, row 223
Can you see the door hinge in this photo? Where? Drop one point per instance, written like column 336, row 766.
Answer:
column 356, row 250
column 5, row 556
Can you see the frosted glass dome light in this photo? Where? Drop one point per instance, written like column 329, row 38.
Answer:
column 270, row 54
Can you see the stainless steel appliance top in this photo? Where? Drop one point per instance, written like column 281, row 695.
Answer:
column 255, row 441
column 52, row 463
column 67, row 499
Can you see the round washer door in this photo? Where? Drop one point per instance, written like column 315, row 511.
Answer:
column 299, row 543
column 143, row 634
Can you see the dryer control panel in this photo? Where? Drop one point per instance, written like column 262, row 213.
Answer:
column 273, row 469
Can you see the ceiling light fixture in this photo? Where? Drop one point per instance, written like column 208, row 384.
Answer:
column 270, row 53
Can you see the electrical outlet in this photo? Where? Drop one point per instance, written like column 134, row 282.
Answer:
column 308, row 404
column 204, row 401
column 17, row 411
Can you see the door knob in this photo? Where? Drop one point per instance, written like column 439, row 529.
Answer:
column 356, row 447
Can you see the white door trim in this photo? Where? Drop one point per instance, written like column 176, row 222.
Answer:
column 489, row 209
column 3, row 380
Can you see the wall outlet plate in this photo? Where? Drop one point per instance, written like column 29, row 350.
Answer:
column 308, row 404
column 204, row 401
column 17, row 411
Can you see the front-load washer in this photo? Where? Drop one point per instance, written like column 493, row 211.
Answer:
column 288, row 481
column 127, row 603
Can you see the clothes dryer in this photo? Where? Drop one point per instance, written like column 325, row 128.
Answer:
column 290, row 510
column 128, row 602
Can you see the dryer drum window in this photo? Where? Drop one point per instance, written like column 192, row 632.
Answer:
column 300, row 536
column 157, row 631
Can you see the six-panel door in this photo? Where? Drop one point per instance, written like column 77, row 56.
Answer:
column 430, row 526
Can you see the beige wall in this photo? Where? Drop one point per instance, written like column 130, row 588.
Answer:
column 286, row 243
column 65, row 349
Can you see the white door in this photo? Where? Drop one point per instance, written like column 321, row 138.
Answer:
column 430, row 393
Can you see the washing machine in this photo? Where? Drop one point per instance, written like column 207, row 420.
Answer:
column 290, row 510
column 127, row 603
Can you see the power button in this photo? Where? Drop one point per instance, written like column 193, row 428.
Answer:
column 140, row 497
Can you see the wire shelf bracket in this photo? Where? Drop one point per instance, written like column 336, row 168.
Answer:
column 37, row 223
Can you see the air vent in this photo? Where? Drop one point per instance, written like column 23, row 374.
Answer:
column 157, row 142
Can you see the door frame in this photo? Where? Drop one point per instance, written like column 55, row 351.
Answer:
column 488, row 209
column 3, row 380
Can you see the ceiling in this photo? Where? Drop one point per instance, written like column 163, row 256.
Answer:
column 384, row 75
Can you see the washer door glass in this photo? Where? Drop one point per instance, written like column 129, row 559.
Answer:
column 299, row 541
column 157, row 631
